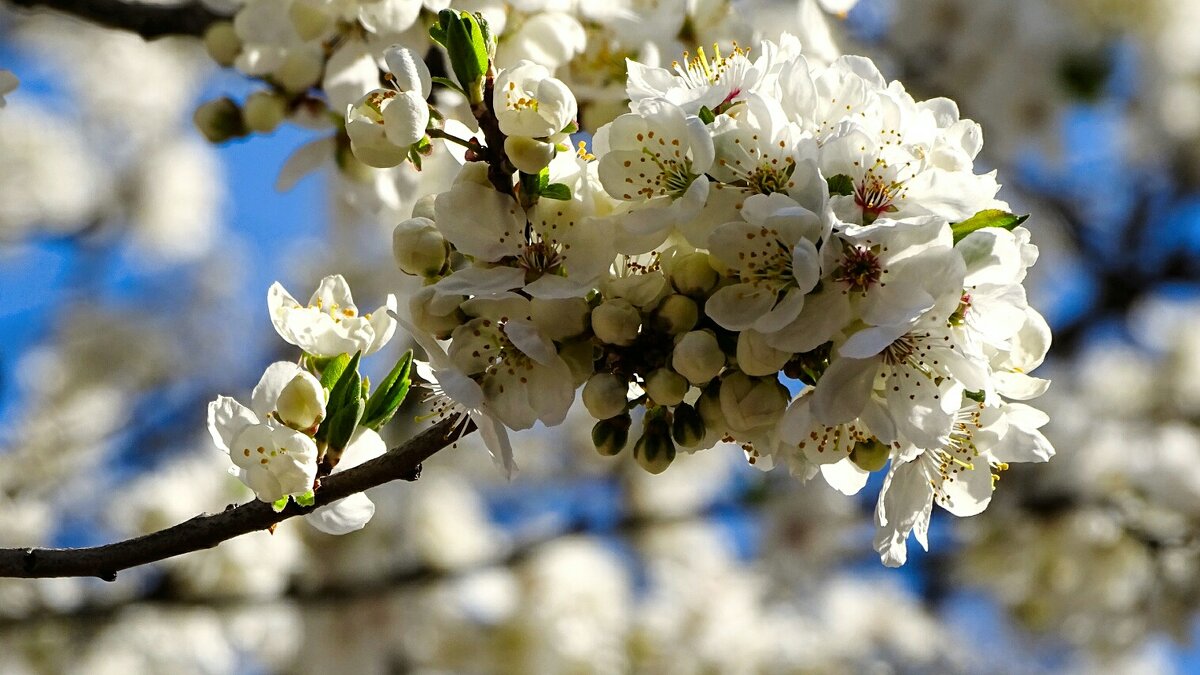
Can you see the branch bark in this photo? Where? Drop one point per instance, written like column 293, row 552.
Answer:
column 149, row 21
column 206, row 531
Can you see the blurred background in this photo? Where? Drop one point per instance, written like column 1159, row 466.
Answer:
column 134, row 262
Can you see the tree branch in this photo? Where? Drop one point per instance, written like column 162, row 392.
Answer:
column 149, row 21
column 206, row 531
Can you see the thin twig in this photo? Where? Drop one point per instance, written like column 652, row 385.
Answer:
column 148, row 20
column 206, row 531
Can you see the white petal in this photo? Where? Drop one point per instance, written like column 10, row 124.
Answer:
column 364, row 446
column 226, row 419
column 343, row 516
column 273, row 380
column 845, row 476
column 843, row 390
column 737, row 307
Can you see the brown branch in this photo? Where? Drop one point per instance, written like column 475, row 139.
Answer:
column 206, row 531
column 149, row 21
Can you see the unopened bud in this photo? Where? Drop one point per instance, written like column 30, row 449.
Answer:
column 263, row 111
column 698, row 357
column 655, row 451
column 756, row 357
column 693, row 275
column 709, row 407
column 870, row 455
column 423, row 208
column 560, row 318
column 528, row 154
column 419, row 248
column 676, row 314
column 610, row 436
column 666, row 387
column 604, row 395
column 300, row 70
column 687, row 426
column 749, row 403
column 219, row 120
column 309, row 20
column 301, row 403
column 222, row 43
column 616, row 322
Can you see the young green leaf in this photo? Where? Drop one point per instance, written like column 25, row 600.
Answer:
column 706, row 115
column 557, row 191
column 840, row 184
column 389, row 395
column 986, row 218
column 333, row 370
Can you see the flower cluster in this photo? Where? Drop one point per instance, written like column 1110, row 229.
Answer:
column 791, row 255
column 313, row 418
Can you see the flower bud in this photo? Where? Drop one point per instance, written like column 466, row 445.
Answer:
column 423, row 208
column 870, row 455
column 219, row 120
column 666, row 387
column 698, row 357
column 436, row 314
column 692, row 274
column 604, row 395
column 528, row 154
column 654, row 451
column 687, row 426
column 709, row 407
column 560, row 318
column 749, row 403
column 580, row 356
column 222, row 43
column 676, row 314
column 263, row 111
column 756, row 357
column 616, row 322
column 365, row 127
column 419, row 248
column 308, row 19
column 301, row 403
column 641, row 290
column 300, row 70
column 610, row 436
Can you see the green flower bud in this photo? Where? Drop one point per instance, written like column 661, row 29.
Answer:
column 419, row 248
column 263, row 111
column 870, row 455
column 687, row 426
column 655, row 451
column 749, row 403
column 698, row 357
column 693, row 275
column 222, row 43
column 676, row 314
column 219, row 120
column 604, row 395
column 666, row 387
column 610, row 436
column 616, row 322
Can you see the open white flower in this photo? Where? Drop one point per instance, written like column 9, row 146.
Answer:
column 529, row 102
column 330, row 324
column 350, row 513
column 273, row 460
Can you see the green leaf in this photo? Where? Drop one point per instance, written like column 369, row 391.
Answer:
column 543, row 178
column 840, row 184
column 466, row 44
column 306, row 499
column 557, row 191
column 986, row 218
column 341, row 428
column 706, row 115
column 390, row 394
column 344, row 393
column 279, row 504
column 333, row 370
column 448, row 83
